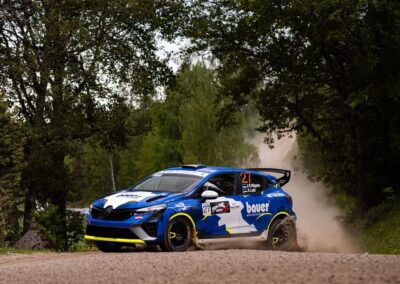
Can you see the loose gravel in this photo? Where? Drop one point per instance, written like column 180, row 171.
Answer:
column 218, row 266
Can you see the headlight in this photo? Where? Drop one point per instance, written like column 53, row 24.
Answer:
column 151, row 209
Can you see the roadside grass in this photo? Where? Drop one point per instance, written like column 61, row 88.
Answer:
column 382, row 231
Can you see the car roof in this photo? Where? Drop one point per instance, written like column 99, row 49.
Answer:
column 214, row 169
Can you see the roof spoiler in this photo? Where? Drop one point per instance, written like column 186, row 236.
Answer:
column 193, row 166
column 282, row 180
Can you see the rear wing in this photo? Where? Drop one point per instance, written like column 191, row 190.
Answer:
column 282, row 180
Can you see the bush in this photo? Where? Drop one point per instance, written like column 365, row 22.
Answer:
column 75, row 230
column 382, row 229
column 48, row 223
column 2, row 229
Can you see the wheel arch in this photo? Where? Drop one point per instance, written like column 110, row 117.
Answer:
column 278, row 215
column 185, row 215
column 191, row 221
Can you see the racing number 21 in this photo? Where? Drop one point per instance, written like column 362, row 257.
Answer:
column 245, row 178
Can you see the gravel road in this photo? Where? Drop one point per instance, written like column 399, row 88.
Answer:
column 218, row 266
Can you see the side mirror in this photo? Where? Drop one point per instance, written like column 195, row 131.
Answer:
column 209, row 194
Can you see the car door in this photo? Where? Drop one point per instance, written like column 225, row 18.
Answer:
column 221, row 215
column 256, row 212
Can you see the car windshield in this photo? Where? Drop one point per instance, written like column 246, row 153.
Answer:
column 168, row 183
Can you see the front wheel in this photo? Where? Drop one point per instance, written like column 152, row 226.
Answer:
column 108, row 247
column 282, row 235
column 178, row 235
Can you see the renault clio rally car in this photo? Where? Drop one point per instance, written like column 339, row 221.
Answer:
column 178, row 207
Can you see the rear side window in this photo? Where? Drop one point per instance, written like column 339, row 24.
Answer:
column 251, row 183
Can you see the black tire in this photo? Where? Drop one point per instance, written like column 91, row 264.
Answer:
column 108, row 247
column 282, row 235
column 177, row 235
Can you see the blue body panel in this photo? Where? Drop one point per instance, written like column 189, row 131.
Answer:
column 240, row 214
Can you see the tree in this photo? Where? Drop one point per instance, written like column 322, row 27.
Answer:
column 60, row 61
column 11, row 163
column 327, row 69
column 91, row 174
column 186, row 130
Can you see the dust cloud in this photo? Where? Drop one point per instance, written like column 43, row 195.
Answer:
column 317, row 224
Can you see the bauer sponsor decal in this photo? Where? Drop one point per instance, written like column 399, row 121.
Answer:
column 256, row 209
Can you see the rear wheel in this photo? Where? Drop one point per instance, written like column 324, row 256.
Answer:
column 178, row 235
column 108, row 247
column 282, row 235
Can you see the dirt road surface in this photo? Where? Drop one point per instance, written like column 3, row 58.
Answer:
column 218, row 266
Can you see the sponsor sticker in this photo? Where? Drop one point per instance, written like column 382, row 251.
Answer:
column 181, row 206
column 275, row 194
column 220, row 207
column 127, row 195
column 118, row 199
column 249, row 186
column 256, row 209
column 206, row 209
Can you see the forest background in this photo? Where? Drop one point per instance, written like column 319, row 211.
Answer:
column 90, row 104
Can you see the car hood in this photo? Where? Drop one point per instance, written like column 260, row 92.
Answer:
column 132, row 199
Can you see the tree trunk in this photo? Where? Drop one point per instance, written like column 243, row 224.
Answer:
column 112, row 171
column 29, row 181
column 361, row 169
column 28, row 207
column 59, row 198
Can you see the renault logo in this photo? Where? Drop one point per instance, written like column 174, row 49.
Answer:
column 108, row 211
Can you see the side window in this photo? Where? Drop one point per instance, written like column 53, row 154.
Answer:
column 223, row 184
column 251, row 183
column 267, row 183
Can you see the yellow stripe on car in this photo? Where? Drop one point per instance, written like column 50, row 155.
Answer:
column 191, row 220
column 205, row 217
column 263, row 214
column 276, row 215
column 116, row 240
column 183, row 214
column 229, row 230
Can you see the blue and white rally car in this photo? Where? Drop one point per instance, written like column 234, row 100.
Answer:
column 177, row 207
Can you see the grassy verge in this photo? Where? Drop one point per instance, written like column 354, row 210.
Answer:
column 382, row 232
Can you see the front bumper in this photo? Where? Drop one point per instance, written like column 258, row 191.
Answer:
column 136, row 230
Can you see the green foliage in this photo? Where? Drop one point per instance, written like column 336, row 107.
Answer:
column 48, row 219
column 11, row 164
column 75, row 230
column 128, row 173
column 328, row 70
column 382, row 231
column 65, row 66
column 186, row 129
column 91, row 172
column 95, row 172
